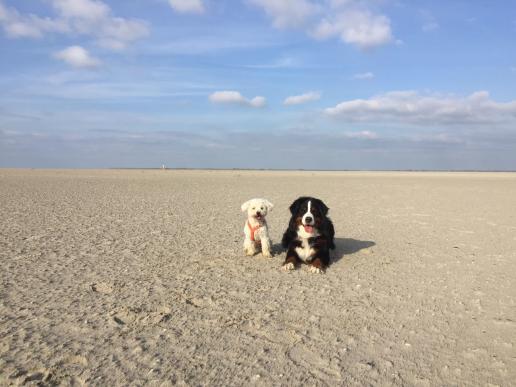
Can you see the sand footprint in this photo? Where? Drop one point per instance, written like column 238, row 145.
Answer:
column 125, row 316
column 504, row 321
column 40, row 377
column 78, row 360
column 138, row 316
column 303, row 357
column 102, row 288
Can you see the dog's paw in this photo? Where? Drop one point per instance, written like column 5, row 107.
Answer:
column 288, row 266
column 249, row 252
column 267, row 254
column 315, row 270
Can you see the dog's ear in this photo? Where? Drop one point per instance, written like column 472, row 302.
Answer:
column 321, row 206
column 245, row 206
column 268, row 204
column 294, row 207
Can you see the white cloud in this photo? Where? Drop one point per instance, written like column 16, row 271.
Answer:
column 17, row 25
column 362, row 76
column 216, row 42
column 21, row 29
column 118, row 33
column 429, row 21
column 234, row 97
column 430, row 26
column 258, row 102
column 94, row 18
column 427, row 109
column 85, row 17
column 358, row 27
column 77, row 56
column 83, row 9
column 287, row 13
column 303, row 98
column 350, row 20
column 282, row 63
column 363, row 134
column 187, row 6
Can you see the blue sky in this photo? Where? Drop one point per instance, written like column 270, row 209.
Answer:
column 329, row 84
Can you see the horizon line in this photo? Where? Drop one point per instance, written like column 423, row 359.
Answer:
column 267, row 169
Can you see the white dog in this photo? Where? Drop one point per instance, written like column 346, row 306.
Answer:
column 255, row 229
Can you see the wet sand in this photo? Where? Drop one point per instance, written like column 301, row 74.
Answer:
column 119, row 277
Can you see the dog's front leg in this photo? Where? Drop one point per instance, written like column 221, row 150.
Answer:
column 266, row 247
column 265, row 242
column 320, row 261
column 292, row 259
column 249, row 247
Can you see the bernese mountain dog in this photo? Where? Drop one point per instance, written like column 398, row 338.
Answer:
column 309, row 236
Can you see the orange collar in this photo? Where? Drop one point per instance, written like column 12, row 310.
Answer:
column 252, row 230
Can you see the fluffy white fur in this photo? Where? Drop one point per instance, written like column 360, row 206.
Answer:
column 257, row 210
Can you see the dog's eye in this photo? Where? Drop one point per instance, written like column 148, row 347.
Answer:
column 254, row 208
column 261, row 208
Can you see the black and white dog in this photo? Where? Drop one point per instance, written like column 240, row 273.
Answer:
column 309, row 236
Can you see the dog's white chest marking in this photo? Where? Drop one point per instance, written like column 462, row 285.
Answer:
column 305, row 252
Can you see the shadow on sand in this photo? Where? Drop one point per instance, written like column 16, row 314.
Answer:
column 343, row 246
column 277, row 249
column 346, row 246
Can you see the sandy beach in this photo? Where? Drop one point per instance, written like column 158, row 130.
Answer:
column 137, row 277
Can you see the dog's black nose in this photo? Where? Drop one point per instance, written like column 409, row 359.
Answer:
column 258, row 213
column 308, row 219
